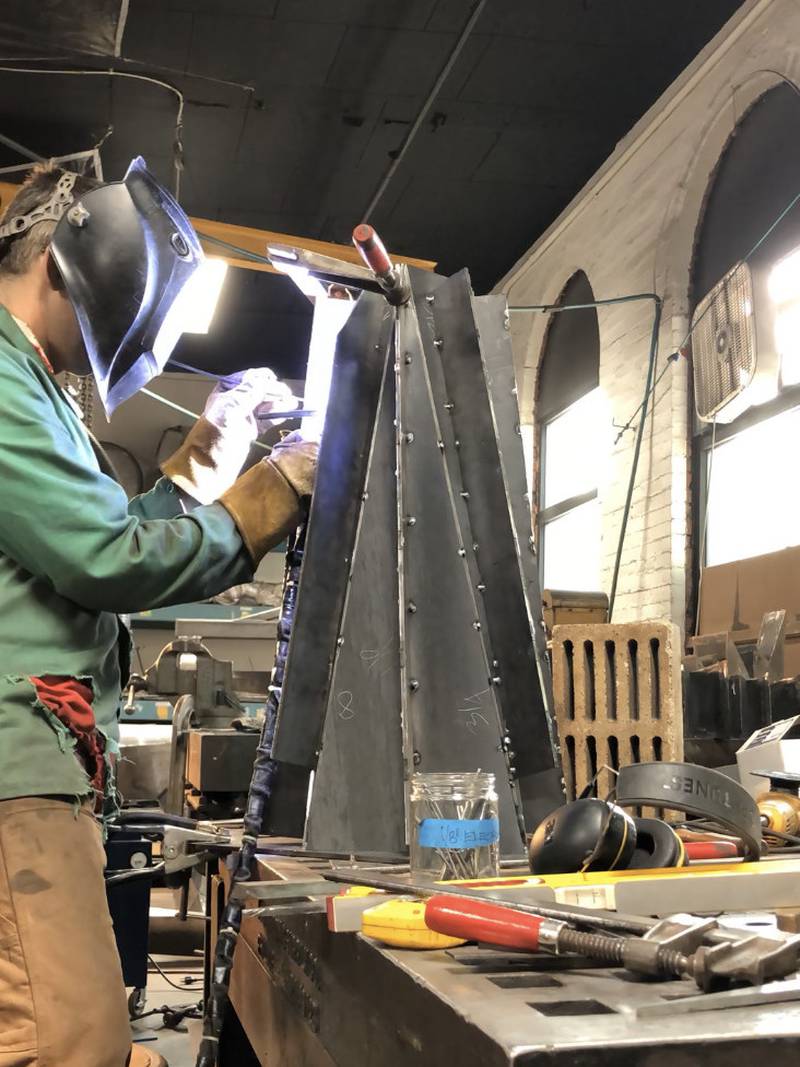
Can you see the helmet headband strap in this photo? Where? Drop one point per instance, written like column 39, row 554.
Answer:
column 51, row 211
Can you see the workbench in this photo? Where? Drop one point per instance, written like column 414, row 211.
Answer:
column 305, row 996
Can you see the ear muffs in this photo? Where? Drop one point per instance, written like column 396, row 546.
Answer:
column 657, row 845
column 586, row 835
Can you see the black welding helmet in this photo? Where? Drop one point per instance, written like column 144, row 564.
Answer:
column 126, row 252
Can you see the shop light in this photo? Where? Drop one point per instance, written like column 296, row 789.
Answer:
column 193, row 307
column 202, row 294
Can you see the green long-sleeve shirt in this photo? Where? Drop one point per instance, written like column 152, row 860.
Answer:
column 74, row 552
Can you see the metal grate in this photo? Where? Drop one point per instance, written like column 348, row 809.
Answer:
column 617, row 696
column 724, row 342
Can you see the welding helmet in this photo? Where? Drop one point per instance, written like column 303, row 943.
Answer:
column 126, row 253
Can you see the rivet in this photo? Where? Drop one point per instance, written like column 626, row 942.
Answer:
column 430, row 298
column 465, row 495
column 365, row 496
column 411, row 521
column 340, row 641
column 475, row 548
column 408, row 438
column 476, row 625
column 497, row 680
column 441, row 445
column 79, row 216
column 512, row 771
column 481, row 587
column 438, row 342
column 377, row 348
column 514, row 391
column 462, row 552
column 412, row 607
column 417, row 758
column 407, row 357
column 449, row 406
column 495, row 664
column 458, row 443
column 413, row 685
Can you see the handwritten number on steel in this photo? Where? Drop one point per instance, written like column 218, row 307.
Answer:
column 472, row 717
column 345, row 702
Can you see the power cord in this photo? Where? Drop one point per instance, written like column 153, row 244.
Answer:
column 188, row 981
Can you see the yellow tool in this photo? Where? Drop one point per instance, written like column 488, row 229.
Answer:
column 400, row 922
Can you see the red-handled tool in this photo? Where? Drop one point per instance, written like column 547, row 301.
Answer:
column 373, row 252
column 479, row 920
column 712, row 850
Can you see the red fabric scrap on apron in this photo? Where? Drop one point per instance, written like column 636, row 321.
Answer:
column 71, row 702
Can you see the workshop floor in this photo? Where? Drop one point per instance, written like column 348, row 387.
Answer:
column 178, row 1047
column 176, row 948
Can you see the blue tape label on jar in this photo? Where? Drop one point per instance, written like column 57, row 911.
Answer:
column 458, row 833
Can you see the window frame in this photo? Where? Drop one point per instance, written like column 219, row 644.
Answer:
column 544, row 516
column 787, row 400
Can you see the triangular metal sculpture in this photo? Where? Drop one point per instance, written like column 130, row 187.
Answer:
column 417, row 642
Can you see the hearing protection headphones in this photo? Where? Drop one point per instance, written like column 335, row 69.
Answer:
column 590, row 834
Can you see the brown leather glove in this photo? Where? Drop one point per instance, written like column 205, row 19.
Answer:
column 209, row 460
column 265, row 502
column 195, row 467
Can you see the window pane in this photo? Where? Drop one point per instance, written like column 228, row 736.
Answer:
column 571, row 546
column 754, row 494
column 572, row 450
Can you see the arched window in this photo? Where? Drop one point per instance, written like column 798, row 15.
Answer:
column 748, row 506
column 567, row 414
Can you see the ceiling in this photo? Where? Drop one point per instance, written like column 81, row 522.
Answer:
column 325, row 94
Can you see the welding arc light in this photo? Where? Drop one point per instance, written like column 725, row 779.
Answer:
column 784, row 289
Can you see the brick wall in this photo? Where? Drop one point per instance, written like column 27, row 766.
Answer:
column 632, row 229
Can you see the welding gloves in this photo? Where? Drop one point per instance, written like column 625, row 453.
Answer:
column 265, row 503
column 215, row 449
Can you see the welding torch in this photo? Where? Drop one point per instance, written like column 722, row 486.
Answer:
column 373, row 251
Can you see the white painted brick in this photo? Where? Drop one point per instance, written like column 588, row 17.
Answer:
column 635, row 222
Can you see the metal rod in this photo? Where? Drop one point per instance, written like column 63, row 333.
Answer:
column 648, row 390
column 651, row 368
column 469, row 25
column 594, row 304
column 9, row 142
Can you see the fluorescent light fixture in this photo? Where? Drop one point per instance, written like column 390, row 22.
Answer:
column 193, row 307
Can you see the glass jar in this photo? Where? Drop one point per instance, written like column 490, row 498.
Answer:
column 455, row 831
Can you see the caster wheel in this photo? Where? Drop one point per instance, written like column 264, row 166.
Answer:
column 136, row 1003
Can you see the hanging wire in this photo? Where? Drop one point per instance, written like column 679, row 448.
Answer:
column 111, row 73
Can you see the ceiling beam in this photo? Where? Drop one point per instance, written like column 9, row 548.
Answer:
column 252, row 240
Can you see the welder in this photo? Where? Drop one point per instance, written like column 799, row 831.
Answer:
column 93, row 279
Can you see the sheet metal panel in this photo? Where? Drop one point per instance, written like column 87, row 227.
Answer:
column 454, row 722
column 470, row 338
column 357, row 376
column 358, row 799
